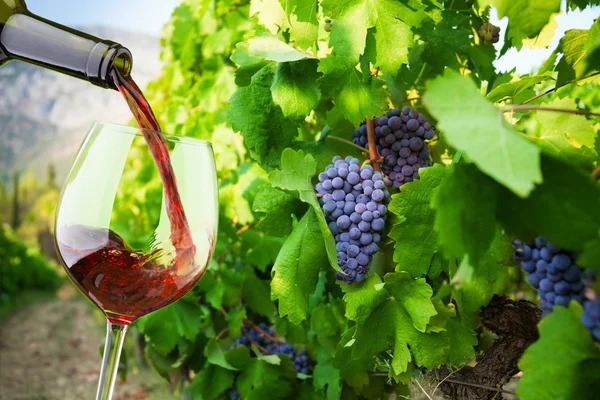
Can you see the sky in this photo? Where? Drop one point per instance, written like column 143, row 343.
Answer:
column 148, row 16
column 144, row 16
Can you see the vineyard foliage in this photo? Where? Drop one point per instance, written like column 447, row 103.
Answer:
column 278, row 87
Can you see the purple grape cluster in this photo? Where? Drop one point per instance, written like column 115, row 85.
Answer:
column 591, row 317
column 552, row 271
column 299, row 357
column 401, row 140
column 354, row 200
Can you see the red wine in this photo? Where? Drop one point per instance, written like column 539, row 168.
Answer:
column 125, row 284
column 122, row 282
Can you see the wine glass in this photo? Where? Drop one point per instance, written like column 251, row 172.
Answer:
column 117, row 234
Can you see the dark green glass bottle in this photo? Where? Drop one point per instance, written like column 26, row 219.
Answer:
column 27, row 37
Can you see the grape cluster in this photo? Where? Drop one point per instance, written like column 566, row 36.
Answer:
column 401, row 140
column 233, row 393
column 591, row 317
column 250, row 334
column 552, row 272
column 489, row 33
column 354, row 200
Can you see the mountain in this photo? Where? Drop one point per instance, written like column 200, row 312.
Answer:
column 44, row 115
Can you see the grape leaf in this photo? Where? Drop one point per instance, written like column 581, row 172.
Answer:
column 401, row 310
column 255, row 293
column 570, row 369
column 488, row 139
column 262, row 380
column 544, row 38
column 253, row 113
column 296, row 88
column 465, row 212
column 247, row 65
column 568, row 195
column 462, row 340
column 295, row 175
column 215, row 355
column 235, row 321
column 527, row 17
column 568, row 137
column 474, row 284
column 296, row 270
column 511, row 89
column 415, row 237
column 328, row 322
column 271, row 48
column 592, row 48
column 279, row 207
column 571, row 66
column 270, row 14
column 210, row 383
column 260, row 250
column 352, row 370
column 304, row 25
column 327, row 376
column 590, row 257
column 163, row 328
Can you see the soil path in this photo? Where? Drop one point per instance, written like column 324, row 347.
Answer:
column 50, row 351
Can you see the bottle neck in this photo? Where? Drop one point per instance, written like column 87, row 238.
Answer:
column 35, row 40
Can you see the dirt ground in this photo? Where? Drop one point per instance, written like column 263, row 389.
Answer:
column 50, row 351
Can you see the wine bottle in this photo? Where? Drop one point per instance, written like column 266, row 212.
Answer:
column 33, row 39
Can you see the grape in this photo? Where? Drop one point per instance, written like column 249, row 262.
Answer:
column 489, row 33
column 354, row 198
column 400, row 136
column 552, row 272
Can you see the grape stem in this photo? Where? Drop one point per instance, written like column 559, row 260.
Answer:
column 262, row 349
column 373, row 154
column 511, row 108
column 596, row 173
column 220, row 334
column 263, row 332
column 558, row 87
column 349, row 143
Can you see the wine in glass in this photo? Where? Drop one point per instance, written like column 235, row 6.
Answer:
column 130, row 266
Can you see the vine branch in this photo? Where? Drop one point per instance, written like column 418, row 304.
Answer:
column 511, row 108
column 262, row 349
column 263, row 332
column 596, row 173
column 373, row 154
column 557, row 87
column 349, row 143
column 493, row 389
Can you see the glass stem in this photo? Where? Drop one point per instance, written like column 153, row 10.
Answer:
column 115, row 334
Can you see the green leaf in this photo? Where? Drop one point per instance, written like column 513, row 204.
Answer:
column 304, row 23
column 215, row 355
column 262, row 380
column 271, row 48
column 235, row 319
column 571, row 66
column 279, row 206
column 270, row 14
column 592, row 48
column 164, row 327
column 402, row 313
column 567, row 137
column 296, row 88
column 295, row 175
column 462, row 341
column 465, row 212
column 527, row 17
column 590, row 257
column 474, row 126
column 256, row 295
column 210, row 383
column 354, row 371
column 328, row 322
column 357, row 98
column 565, row 209
column 327, row 376
column 563, row 363
column 415, row 237
column 253, row 113
column 260, row 250
column 296, row 270
column 247, row 65
column 511, row 89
